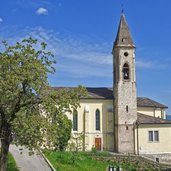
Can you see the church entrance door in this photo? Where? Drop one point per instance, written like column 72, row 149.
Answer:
column 98, row 143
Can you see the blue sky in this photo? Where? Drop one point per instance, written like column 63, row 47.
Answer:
column 81, row 34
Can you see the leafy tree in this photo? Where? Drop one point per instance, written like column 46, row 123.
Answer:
column 29, row 108
column 64, row 127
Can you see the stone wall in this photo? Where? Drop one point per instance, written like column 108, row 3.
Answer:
column 161, row 158
column 140, row 162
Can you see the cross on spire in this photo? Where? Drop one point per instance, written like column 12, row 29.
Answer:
column 122, row 6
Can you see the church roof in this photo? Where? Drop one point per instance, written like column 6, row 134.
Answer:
column 146, row 119
column 99, row 93
column 146, row 102
column 123, row 37
column 107, row 94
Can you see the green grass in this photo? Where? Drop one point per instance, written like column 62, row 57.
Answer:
column 11, row 165
column 82, row 161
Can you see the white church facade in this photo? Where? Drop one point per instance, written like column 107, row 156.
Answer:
column 115, row 119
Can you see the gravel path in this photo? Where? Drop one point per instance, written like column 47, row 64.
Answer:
column 28, row 163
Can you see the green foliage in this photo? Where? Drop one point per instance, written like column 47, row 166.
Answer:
column 85, row 161
column 28, row 130
column 30, row 111
column 23, row 77
column 11, row 165
column 75, row 145
column 63, row 132
column 64, row 101
column 93, row 150
column 76, row 142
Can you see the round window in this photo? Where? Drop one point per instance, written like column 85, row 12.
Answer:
column 126, row 54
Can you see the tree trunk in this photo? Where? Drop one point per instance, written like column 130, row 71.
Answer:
column 5, row 142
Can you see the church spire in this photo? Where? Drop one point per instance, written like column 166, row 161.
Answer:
column 123, row 37
column 125, row 101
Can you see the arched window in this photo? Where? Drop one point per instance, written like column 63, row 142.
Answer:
column 75, row 121
column 125, row 71
column 97, row 120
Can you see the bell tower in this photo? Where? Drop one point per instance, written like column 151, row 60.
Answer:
column 125, row 101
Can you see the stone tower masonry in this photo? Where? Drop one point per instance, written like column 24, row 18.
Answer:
column 125, row 101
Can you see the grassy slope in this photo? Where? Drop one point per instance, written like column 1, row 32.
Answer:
column 11, row 166
column 83, row 161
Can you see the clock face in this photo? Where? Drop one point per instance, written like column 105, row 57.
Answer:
column 126, row 54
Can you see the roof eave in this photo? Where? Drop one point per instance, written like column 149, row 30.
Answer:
column 162, row 107
column 116, row 45
column 154, row 123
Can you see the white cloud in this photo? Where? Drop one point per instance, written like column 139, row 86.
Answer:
column 74, row 56
column 77, row 56
column 73, row 49
column 1, row 20
column 82, row 70
column 42, row 11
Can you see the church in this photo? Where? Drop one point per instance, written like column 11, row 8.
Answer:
column 115, row 119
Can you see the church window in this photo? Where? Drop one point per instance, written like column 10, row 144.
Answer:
column 75, row 121
column 126, row 108
column 126, row 71
column 97, row 120
column 153, row 136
